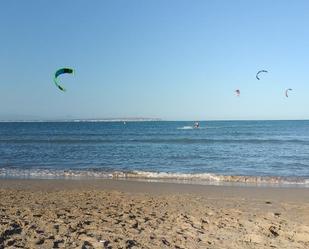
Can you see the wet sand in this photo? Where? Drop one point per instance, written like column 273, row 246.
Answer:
column 129, row 214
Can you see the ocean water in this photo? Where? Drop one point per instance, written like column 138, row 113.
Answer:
column 219, row 151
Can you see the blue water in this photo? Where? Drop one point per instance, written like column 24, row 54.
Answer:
column 228, row 148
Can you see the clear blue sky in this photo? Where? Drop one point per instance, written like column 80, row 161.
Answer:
column 175, row 59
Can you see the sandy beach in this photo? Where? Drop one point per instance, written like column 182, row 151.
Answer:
column 129, row 214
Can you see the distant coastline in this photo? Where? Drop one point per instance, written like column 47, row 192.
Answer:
column 85, row 120
column 136, row 120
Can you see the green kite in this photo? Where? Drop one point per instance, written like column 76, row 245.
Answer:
column 58, row 73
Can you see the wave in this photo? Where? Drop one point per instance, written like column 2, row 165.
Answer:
column 197, row 178
column 210, row 177
column 193, row 128
column 185, row 128
column 158, row 140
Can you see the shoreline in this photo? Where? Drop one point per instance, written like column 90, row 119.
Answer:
column 159, row 188
column 160, row 177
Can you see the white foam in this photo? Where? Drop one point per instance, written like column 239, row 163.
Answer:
column 185, row 128
column 200, row 178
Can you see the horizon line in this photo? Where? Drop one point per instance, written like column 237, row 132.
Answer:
column 90, row 120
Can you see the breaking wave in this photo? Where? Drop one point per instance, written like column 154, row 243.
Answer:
column 191, row 178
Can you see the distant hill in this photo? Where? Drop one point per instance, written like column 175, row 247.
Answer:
column 28, row 118
column 117, row 120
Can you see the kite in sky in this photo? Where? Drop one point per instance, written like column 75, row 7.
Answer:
column 58, row 73
column 259, row 72
column 287, row 92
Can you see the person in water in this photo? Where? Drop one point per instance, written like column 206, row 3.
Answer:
column 196, row 125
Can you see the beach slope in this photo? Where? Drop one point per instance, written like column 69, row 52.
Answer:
column 128, row 214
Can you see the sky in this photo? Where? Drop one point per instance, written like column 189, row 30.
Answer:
column 174, row 60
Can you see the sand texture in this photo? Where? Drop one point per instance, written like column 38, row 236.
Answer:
column 77, row 217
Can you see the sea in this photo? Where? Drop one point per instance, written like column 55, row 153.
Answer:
column 218, row 152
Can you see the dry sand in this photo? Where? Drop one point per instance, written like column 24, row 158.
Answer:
column 127, row 214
